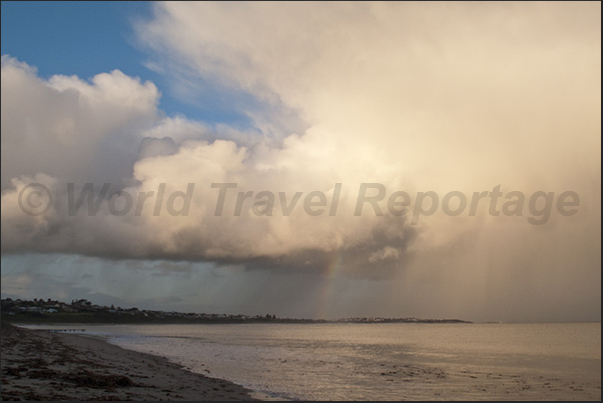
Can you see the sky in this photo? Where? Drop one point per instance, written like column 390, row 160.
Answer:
column 292, row 97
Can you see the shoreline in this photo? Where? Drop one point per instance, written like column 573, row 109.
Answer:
column 40, row 365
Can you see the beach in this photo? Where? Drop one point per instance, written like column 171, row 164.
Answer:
column 348, row 362
column 40, row 365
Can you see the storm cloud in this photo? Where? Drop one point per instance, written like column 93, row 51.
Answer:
column 436, row 97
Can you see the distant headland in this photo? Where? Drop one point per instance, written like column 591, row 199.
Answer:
column 83, row 311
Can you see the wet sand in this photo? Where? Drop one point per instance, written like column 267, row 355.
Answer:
column 39, row 365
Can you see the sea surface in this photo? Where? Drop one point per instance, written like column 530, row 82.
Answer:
column 383, row 361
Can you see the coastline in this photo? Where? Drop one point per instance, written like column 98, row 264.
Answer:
column 40, row 365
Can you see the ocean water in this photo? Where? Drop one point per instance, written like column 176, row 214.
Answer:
column 384, row 361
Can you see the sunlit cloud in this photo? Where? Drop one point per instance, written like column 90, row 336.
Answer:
column 441, row 97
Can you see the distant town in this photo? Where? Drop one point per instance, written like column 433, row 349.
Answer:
column 84, row 311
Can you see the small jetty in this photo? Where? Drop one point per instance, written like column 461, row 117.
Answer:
column 65, row 330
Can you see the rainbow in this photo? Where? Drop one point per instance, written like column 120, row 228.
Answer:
column 325, row 293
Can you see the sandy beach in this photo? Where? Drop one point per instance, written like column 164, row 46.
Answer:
column 39, row 365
